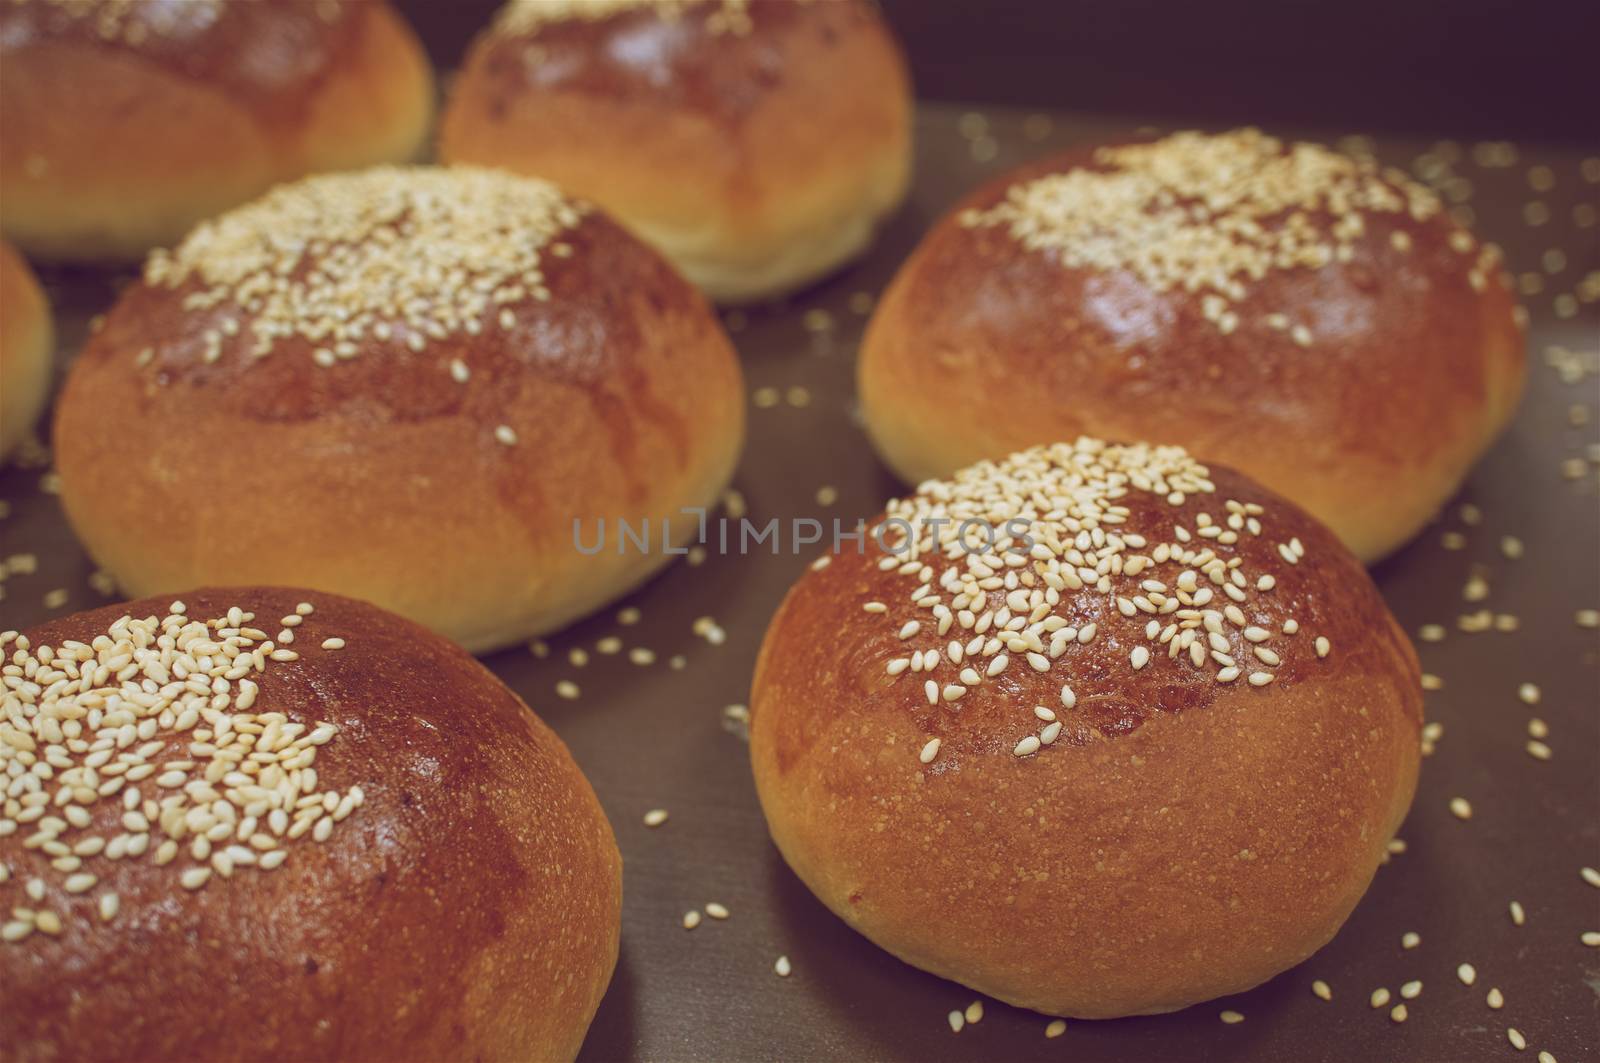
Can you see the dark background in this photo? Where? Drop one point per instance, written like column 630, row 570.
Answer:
column 1472, row 68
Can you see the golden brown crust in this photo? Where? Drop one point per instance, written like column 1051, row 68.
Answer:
column 1181, row 839
column 26, row 346
column 382, row 476
column 726, row 149
column 468, row 909
column 114, row 142
column 1409, row 374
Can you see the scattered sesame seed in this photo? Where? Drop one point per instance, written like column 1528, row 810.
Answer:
column 567, row 689
column 1322, row 989
column 974, row 1012
column 956, row 1020
column 1495, row 999
column 1055, row 1028
column 1411, row 990
column 1460, row 808
column 1467, row 973
column 782, row 968
column 1231, row 1018
column 1410, row 939
column 333, row 644
column 1590, row 938
column 1591, row 876
column 1519, row 916
column 655, row 817
column 691, row 919
column 506, row 435
column 716, row 911
column 1398, row 1013
column 1380, row 997
column 1518, row 1041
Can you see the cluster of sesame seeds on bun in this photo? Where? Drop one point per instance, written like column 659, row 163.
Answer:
column 134, row 22
column 984, row 603
column 1211, row 214
column 393, row 254
column 148, row 743
column 520, row 18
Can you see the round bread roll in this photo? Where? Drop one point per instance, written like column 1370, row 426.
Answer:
column 1139, row 743
column 27, row 341
column 757, row 143
column 125, row 122
column 1298, row 314
column 436, row 390
column 358, row 845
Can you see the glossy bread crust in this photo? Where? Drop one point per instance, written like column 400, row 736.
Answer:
column 981, row 347
column 1182, row 839
column 27, row 343
column 113, row 143
column 756, row 161
column 382, row 476
column 469, row 909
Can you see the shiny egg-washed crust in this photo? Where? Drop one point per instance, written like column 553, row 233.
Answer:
column 1410, row 375
column 756, row 161
column 381, row 476
column 108, row 148
column 27, row 342
column 1182, row 839
column 469, row 909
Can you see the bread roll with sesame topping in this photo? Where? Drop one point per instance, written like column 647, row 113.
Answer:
column 756, row 143
column 406, row 385
column 125, row 122
column 27, row 342
column 295, row 827
column 1147, row 756
column 1316, row 322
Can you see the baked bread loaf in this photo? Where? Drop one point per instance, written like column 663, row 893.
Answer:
column 27, row 342
column 295, row 826
column 756, row 143
column 1148, row 755
column 1300, row 315
column 436, row 390
column 125, row 122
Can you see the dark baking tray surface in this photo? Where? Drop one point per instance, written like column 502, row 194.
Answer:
column 656, row 735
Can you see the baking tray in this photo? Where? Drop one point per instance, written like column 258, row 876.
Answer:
column 650, row 722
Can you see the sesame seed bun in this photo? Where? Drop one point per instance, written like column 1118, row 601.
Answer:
column 1317, row 323
column 406, row 385
column 757, row 143
column 1156, row 759
column 27, row 342
column 122, row 124
column 357, row 845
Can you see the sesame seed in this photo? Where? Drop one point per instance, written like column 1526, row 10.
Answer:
column 716, row 911
column 1231, row 1018
column 929, row 751
column 1591, row 876
column 1322, row 989
column 1398, row 1013
column 1055, row 1028
column 655, row 817
column 956, row 1020
column 567, row 689
column 1590, row 938
column 1460, row 808
column 1323, row 646
column 1529, row 693
column 459, row 371
column 1519, row 916
column 505, row 435
column 1467, row 973
column 1411, row 990
column 333, row 644
column 1495, row 999
column 782, row 968
column 1518, row 1041
column 1380, row 997
column 691, row 919
column 974, row 1012
column 1027, row 747
column 300, row 260
column 1410, row 939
